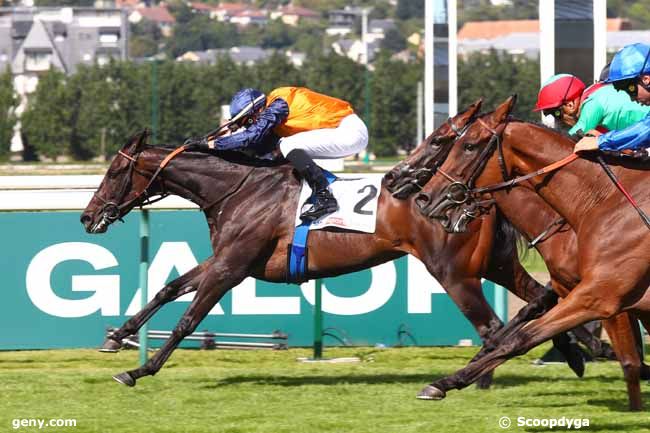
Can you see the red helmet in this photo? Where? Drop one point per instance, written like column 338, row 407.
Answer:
column 558, row 90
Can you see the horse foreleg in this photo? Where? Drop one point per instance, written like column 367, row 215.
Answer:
column 620, row 331
column 182, row 285
column 467, row 294
column 215, row 282
column 564, row 316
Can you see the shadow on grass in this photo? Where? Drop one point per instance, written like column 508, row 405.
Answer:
column 621, row 405
column 367, row 379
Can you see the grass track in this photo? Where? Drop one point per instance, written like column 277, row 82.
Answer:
column 239, row 391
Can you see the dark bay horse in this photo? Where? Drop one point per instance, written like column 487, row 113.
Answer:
column 605, row 270
column 251, row 204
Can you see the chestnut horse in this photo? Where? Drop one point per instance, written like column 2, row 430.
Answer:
column 556, row 243
column 251, row 203
column 601, row 267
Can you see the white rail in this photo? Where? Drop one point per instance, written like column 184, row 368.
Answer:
column 67, row 192
column 42, row 193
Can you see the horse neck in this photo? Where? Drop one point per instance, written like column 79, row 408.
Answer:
column 528, row 148
column 198, row 178
column 528, row 213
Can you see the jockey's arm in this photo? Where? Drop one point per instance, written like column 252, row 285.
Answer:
column 633, row 137
column 591, row 115
column 272, row 116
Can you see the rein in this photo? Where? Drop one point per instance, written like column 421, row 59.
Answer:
column 509, row 183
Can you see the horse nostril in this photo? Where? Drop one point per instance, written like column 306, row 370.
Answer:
column 85, row 219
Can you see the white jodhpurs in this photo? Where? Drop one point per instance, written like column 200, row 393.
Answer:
column 350, row 137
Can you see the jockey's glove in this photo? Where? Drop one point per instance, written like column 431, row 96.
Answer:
column 198, row 143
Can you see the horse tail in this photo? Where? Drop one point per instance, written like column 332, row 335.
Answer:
column 508, row 240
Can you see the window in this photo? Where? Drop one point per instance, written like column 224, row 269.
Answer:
column 108, row 38
column 38, row 61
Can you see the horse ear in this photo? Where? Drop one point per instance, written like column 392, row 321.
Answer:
column 142, row 139
column 474, row 109
column 504, row 110
column 137, row 141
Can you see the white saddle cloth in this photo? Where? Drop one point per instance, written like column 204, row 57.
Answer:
column 357, row 199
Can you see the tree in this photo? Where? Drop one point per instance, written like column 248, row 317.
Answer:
column 495, row 76
column 393, row 41
column 200, row 34
column 484, row 10
column 393, row 105
column 276, row 71
column 142, row 46
column 8, row 102
column 407, row 9
column 337, row 76
column 112, row 102
column 275, row 34
column 46, row 123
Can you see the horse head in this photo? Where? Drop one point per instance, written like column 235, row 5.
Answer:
column 120, row 190
column 415, row 171
column 449, row 198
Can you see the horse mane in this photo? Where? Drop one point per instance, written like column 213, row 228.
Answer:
column 508, row 240
column 232, row 156
column 560, row 132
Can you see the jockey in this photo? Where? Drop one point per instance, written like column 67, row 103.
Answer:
column 629, row 72
column 308, row 125
column 599, row 106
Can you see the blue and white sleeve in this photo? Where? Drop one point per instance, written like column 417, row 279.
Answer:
column 272, row 116
column 633, row 137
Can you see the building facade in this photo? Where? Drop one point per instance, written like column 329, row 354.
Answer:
column 35, row 40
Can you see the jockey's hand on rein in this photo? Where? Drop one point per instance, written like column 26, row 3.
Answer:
column 586, row 143
column 199, row 143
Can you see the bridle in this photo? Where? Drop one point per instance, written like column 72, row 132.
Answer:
column 459, row 192
column 112, row 210
column 414, row 179
column 465, row 193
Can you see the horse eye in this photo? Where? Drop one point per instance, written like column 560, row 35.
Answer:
column 469, row 147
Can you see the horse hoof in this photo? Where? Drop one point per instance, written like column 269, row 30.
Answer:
column 110, row 346
column 430, row 392
column 125, row 379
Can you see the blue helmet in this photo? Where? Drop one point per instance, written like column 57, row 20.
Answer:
column 246, row 101
column 630, row 62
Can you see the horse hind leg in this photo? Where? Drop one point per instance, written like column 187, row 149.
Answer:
column 182, row 285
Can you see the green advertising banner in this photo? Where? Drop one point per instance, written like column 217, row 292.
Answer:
column 63, row 288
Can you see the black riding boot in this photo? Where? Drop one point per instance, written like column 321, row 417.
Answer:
column 323, row 201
